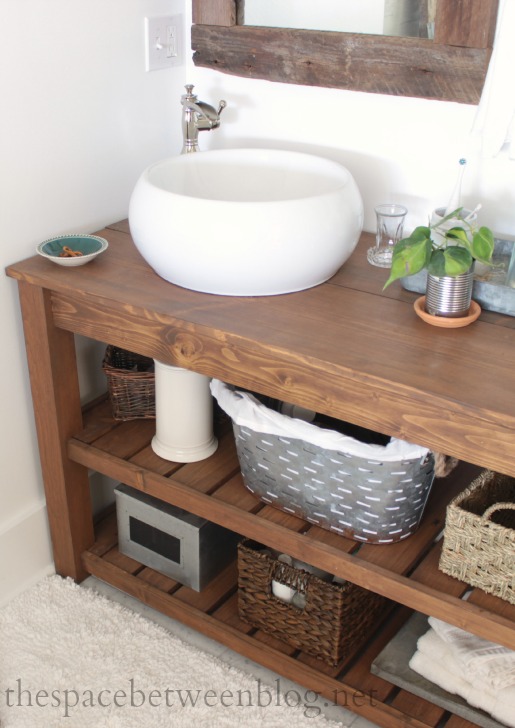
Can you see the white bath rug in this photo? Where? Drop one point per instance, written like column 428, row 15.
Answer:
column 71, row 657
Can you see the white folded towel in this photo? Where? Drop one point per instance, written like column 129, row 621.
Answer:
column 436, row 661
column 438, row 665
column 488, row 661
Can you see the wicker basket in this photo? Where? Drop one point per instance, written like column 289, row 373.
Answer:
column 336, row 618
column 131, row 384
column 479, row 537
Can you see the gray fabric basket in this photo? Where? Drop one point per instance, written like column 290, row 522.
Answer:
column 366, row 500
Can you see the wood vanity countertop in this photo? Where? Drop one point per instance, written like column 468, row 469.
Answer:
column 344, row 348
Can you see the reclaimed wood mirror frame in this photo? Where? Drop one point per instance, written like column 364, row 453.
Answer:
column 452, row 67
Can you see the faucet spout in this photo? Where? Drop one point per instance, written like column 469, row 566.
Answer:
column 197, row 116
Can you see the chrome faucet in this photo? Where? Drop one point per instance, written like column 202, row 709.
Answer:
column 197, row 116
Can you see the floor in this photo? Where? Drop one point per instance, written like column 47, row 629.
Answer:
column 218, row 650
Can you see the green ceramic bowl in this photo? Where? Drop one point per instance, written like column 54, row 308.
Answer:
column 89, row 245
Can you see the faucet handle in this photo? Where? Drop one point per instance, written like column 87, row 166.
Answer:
column 221, row 106
column 189, row 95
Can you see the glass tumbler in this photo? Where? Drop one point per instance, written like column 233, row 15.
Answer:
column 390, row 224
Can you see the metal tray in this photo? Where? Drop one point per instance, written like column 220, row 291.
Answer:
column 392, row 664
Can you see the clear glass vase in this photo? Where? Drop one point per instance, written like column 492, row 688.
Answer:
column 390, row 224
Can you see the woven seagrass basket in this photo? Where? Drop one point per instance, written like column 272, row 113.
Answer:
column 479, row 536
column 130, row 383
column 335, row 620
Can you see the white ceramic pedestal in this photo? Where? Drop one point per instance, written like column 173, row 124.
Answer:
column 184, row 415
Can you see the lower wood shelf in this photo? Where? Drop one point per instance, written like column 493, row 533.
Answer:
column 214, row 612
column 406, row 572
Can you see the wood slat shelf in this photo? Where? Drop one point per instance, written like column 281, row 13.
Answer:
column 406, row 572
column 214, row 611
column 345, row 348
column 123, row 451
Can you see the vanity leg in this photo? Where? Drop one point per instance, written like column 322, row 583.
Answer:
column 57, row 410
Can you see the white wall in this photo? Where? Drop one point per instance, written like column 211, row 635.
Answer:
column 80, row 120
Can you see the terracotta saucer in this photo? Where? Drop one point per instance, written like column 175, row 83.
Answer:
column 443, row 321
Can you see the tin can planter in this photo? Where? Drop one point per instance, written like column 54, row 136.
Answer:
column 449, row 296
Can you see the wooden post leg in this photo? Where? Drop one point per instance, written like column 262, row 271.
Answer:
column 57, row 409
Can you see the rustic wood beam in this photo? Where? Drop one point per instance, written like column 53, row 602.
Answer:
column 214, row 12
column 374, row 64
column 451, row 68
column 467, row 23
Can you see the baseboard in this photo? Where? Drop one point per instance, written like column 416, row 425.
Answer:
column 25, row 541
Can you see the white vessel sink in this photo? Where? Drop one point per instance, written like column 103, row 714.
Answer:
column 246, row 222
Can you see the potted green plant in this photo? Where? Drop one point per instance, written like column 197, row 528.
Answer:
column 448, row 253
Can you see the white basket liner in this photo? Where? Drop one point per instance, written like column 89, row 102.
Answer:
column 246, row 411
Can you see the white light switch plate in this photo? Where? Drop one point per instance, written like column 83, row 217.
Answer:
column 163, row 40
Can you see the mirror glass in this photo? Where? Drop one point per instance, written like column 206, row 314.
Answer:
column 414, row 18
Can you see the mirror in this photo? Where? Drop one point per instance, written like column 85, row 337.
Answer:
column 452, row 67
column 408, row 18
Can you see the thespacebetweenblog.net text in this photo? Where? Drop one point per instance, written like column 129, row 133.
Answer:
column 130, row 696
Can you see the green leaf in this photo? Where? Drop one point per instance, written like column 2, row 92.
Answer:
column 422, row 232
column 437, row 264
column 451, row 261
column 457, row 260
column 411, row 254
column 460, row 235
column 483, row 245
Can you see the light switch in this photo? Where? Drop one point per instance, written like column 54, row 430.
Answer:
column 163, row 40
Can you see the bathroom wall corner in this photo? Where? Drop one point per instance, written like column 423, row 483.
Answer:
column 26, row 552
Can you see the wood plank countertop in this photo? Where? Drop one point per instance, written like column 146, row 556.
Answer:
column 345, row 348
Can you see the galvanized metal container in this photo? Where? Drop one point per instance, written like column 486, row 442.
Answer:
column 329, row 472
column 366, row 500
column 166, row 538
column 449, row 296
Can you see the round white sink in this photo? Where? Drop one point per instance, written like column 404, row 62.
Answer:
column 246, row 222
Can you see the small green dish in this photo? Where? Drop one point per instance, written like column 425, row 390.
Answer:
column 88, row 245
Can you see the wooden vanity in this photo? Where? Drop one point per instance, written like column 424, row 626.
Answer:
column 344, row 348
